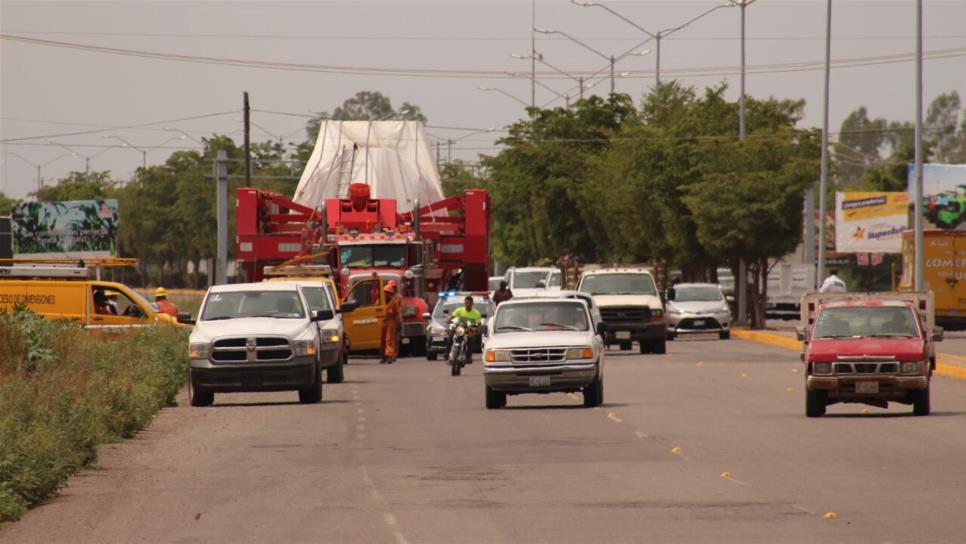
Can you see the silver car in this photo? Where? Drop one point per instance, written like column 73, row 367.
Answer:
column 697, row 308
column 543, row 345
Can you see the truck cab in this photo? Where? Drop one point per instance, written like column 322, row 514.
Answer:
column 870, row 348
column 630, row 307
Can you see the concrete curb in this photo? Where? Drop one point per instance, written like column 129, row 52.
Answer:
column 946, row 364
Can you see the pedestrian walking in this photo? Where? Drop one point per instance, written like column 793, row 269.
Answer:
column 502, row 294
column 390, row 324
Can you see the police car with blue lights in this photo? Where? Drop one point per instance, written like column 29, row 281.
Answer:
column 437, row 341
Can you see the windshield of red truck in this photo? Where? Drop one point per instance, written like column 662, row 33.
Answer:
column 856, row 321
column 387, row 255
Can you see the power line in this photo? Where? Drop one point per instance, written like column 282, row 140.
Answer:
column 474, row 74
column 125, row 127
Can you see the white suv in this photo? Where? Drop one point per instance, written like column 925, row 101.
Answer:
column 256, row 337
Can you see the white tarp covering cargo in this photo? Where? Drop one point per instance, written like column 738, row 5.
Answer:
column 393, row 157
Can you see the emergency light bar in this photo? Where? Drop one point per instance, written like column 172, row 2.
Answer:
column 46, row 272
column 298, row 270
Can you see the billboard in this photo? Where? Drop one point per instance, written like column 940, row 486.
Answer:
column 943, row 194
column 870, row 222
column 68, row 229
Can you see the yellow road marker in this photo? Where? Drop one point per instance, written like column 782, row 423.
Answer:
column 675, row 449
column 831, row 515
column 726, row 474
column 613, row 417
column 789, row 389
column 795, row 370
column 865, row 410
column 743, row 375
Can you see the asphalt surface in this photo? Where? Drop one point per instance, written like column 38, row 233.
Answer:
column 706, row 444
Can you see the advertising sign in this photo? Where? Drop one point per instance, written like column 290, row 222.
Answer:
column 870, row 222
column 943, row 195
column 69, row 229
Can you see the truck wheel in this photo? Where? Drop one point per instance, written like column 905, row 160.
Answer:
column 431, row 355
column 197, row 396
column 336, row 374
column 645, row 346
column 724, row 335
column 313, row 394
column 658, row 346
column 670, row 335
column 494, row 399
column 626, row 346
column 594, row 393
column 814, row 403
column 417, row 346
column 920, row 402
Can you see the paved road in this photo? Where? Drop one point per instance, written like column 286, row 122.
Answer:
column 706, row 444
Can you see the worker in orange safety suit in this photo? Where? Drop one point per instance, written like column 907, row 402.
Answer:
column 164, row 305
column 391, row 323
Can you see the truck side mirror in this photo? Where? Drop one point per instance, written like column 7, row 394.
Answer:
column 348, row 307
column 322, row 315
column 800, row 333
column 602, row 329
column 937, row 334
column 185, row 317
column 669, row 294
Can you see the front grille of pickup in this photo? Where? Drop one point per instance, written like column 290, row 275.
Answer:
column 626, row 314
column 267, row 349
column 866, row 368
column 538, row 355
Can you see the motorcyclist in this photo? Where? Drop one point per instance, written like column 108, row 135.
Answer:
column 467, row 313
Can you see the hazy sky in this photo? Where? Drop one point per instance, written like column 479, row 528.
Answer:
column 50, row 91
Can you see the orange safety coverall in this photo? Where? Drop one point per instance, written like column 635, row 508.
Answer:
column 390, row 327
column 167, row 307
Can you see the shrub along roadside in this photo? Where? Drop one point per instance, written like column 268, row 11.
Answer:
column 64, row 391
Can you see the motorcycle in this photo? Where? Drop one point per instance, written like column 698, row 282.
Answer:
column 460, row 351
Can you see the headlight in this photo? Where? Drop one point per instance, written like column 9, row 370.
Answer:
column 305, row 347
column 585, row 352
column 821, row 368
column 657, row 315
column 199, row 351
column 497, row 356
column 331, row 336
column 461, row 330
column 910, row 367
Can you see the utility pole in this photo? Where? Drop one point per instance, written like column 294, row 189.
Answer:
column 580, row 81
column 221, row 184
column 533, row 54
column 612, row 74
column 449, row 152
column 742, row 264
column 248, row 149
column 919, row 258
column 657, row 62
column 823, row 181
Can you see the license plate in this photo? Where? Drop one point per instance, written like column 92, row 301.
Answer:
column 698, row 322
column 405, row 340
column 539, row 381
column 866, row 387
column 623, row 335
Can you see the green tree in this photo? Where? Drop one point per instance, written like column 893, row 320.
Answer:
column 364, row 106
column 7, row 203
column 458, row 176
column 859, row 143
column 941, row 124
column 79, row 186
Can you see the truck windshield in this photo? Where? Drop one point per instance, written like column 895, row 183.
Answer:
column 856, row 322
column 701, row 293
column 529, row 280
column 386, row 255
column 618, row 284
column 238, row 304
column 543, row 316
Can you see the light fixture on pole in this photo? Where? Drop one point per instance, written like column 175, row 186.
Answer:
column 185, row 134
column 504, row 93
column 87, row 158
column 144, row 152
column 38, row 166
column 609, row 58
column 656, row 36
column 542, row 84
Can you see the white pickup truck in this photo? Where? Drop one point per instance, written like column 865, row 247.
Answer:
column 630, row 307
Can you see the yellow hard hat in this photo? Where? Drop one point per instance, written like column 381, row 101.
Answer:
column 160, row 292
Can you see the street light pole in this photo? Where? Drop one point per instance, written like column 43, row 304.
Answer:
column 609, row 58
column 504, row 93
column 919, row 257
column 823, row 181
column 144, row 152
column 533, row 54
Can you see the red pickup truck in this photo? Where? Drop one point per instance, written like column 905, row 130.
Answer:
column 869, row 348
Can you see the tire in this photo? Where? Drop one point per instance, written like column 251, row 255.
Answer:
column 724, row 335
column 432, row 356
column 336, row 374
column 645, row 347
column 814, row 403
column 313, row 395
column 494, row 399
column 417, row 346
column 626, row 346
column 920, row 402
column 197, row 396
column 671, row 336
column 658, row 346
column 594, row 393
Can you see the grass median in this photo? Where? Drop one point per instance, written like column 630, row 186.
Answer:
column 64, row 391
